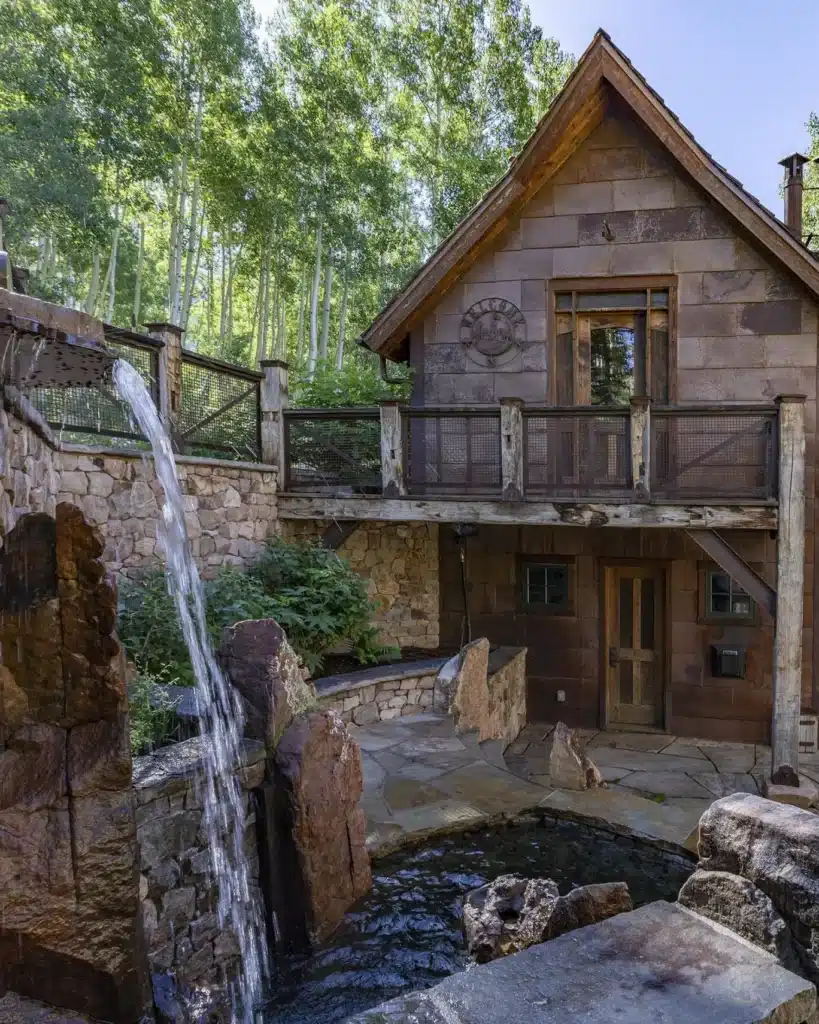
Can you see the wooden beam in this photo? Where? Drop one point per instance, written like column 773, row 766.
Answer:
column 273, row 400
column 790, row 584
column 723, row 554
column 392, row 450
column 640, row 423
column 512, row 449
column 337, row 533
column 532, row 513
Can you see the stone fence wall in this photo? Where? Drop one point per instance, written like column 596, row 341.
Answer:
column 178, row 893
column 378, row 694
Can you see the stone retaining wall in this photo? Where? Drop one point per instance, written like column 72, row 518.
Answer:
column 29, row 480
column 377, row 695
column 178, row 893
column 400, row 563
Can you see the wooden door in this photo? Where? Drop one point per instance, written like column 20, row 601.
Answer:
column 634, row 645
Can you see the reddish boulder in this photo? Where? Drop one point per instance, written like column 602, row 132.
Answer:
column 319, row 863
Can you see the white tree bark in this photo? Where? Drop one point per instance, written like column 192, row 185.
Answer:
column 194, row 237
column 282, row 336
column 110, row 288
column 138, row 278
column 342, row 318
column 173, row 204
column 94, row 286
column 300, row 324
column 325, row 320
column 176, row 308
column 312, row 355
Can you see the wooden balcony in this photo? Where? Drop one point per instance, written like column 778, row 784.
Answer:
column 686, row 466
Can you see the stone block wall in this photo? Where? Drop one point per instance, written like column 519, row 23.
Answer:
column 29, row 480
column 400, row 563
column 230, row 509
column 379, row 698
column 178, row 894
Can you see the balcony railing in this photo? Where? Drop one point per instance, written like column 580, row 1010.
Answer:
column 524, row 453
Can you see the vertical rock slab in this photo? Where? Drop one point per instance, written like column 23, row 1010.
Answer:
column 569, row 767
column 69, row 902
column 319, row 863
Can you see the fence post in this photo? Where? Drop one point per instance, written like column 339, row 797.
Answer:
column 641, row 447
column 790, row 579
column 273, row 400
column 511, row 427
column 170, row 371
column 393, row 484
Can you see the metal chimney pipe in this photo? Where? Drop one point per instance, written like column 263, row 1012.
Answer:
column 793, row 165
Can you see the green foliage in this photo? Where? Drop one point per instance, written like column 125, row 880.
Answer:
column 152, row 715
column 315, row 596
column 358, row 383
column 811, row 196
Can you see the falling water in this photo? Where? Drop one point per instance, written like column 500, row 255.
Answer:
column 221, row 713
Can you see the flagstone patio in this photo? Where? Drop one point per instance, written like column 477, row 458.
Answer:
column 421, row 779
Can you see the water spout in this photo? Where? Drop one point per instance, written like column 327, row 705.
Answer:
column 221, row 714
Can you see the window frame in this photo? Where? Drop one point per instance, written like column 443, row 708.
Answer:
column 710, row 617
column 586, row 285
column 528, row 562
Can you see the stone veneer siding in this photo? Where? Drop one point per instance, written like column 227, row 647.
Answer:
column 230, row 508
column 379, row 695
column 29, row 480
column 400, row 563
column 178, row 893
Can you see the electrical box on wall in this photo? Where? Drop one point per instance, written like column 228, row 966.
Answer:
column 727, row 661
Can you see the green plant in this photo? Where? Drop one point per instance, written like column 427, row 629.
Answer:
column 152, row 716
column 358, row 383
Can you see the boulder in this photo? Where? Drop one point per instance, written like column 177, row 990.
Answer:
column 265, row 670
column 318, row 864
column 13, row 705
column 775, row 846
column 569, row 767
column 736, row 903
column 512, row 913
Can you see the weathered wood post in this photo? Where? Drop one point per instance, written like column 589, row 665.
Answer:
column 790, row 578
column 393, row 484
column 170, row 372
column 511, row 428
column 641, row 447
column 273, row 402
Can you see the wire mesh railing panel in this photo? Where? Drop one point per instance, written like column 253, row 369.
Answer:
column 571, row 456
column 219, row 412
column 97, row 415
column 454, row 452
column 713, row 455
column 329, row 451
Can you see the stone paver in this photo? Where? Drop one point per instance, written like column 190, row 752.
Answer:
column 420, row 778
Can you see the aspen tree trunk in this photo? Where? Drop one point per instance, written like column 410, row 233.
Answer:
column 110, row 288
column 138, row 279
column 265, row 308
column 193, row 232
column 274, row 318
column 223, row 303
column 188, row 304
column 312, row 355
column 325, row 321
column 282, row 339
column 342, row 318
column 176, row 309
column 173, row 204
column 300, row 324
column 93, row 289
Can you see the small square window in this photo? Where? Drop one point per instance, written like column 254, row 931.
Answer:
column 725, row 598
column 546, row 586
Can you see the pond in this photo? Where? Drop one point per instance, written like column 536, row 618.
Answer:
column 406, row 933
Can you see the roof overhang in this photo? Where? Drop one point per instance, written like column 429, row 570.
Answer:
column 602, row 71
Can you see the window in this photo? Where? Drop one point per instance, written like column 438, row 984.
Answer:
column 610, row 346
column 546, row 586
column 725, row 598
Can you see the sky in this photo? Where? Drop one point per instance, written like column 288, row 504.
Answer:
column 742, row 75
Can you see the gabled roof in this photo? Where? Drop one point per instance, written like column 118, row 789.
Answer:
column 574, row 114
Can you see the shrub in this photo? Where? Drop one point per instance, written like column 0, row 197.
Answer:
column 153, row 719
column 358, row 383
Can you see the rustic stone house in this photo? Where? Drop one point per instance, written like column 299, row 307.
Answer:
column 609, row 449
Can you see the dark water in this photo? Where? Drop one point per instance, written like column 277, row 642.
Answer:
column 406, row 934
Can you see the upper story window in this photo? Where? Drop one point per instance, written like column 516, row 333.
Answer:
column 610, row 346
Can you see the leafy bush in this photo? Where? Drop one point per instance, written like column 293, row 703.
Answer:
column 315, row 596
column 358, row 383
column 152, row 716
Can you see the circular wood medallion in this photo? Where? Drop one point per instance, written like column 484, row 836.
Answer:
column 493, row 331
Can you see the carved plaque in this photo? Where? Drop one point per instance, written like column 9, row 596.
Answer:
column 493, row 331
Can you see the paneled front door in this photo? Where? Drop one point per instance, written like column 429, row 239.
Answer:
column 634, row 645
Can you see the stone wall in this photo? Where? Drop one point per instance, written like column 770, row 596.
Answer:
column 178, row 893
column 378, row 694
column 400, row 563
column 230, row 509
column 29, row 481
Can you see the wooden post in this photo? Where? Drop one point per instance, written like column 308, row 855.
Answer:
column 511, row 426
column 790, row 578
column 641, row 447
column 170, row 371
column 392, row 450
column 274, row 400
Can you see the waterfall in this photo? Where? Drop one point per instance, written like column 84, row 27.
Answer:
column 221, row 717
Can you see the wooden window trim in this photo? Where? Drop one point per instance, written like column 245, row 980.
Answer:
column 527, row 561
column 709, row 618
column 637, row 282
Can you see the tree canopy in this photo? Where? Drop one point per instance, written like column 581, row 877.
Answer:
column 266, row 187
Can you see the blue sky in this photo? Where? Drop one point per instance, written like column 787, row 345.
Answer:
column 742, row 75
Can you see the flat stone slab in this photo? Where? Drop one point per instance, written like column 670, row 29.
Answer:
column 491, row 789
column 328, row 685
column 16, row 1009
column 628, row 810
column 658, row 963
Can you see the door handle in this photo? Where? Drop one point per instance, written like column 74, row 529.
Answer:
column 613, row 656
